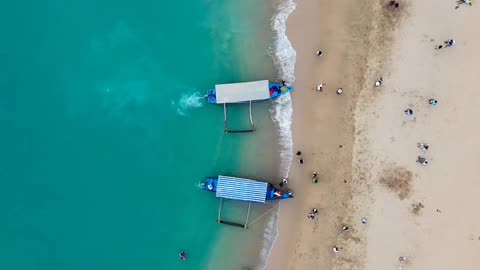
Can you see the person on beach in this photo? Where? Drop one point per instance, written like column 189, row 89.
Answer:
column 339, row 91
column 450, row 43
column 314, row 178
column 423, row 146
column 314, row 210
column 409, row 112
column 314, row 174
column 422, row 160
column 319, row 53
column 299, row 153
column 459, row 2
column 320, row 87
column 300, row 161
column 393, row 4
column 284, row 182
column 432, row 101
column 378, row 83
column 311, row 216
column 335, row 249
column 345, row 228
column 446, row 44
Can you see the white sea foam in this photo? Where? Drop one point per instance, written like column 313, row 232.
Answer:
column 187, row 102
column 269, row 237
column 281, row 113
column 284, row 57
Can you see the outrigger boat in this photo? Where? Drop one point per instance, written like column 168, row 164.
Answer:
column 274, row 90
column 246, row 190
column 271, row 193
column 246, row 92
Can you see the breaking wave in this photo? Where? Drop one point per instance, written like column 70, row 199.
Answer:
column 284, row 57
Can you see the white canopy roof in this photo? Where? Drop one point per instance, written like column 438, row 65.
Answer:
column 241, row 92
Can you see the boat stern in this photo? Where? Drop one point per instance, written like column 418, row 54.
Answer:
column 211, row 96
column 276, row 194
column 277, row 90
column 209, row 184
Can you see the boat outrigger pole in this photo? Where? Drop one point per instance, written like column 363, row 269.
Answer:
column 240, row 189
column 238, row 131
column 246, row 92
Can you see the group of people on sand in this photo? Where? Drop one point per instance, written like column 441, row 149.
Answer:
column 446, row 44
column 312, row 213
column 320, row 86
column 423, row 146
column 393, row 4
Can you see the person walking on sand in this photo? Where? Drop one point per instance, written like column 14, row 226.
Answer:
column 460, row 2
column 284, row 182
column 339, row 91
column 301, row 161
column 423, row 146
column 422, row 160
column 314, row 178
column 446, row 44
column 409, row 112
column 299, row 153
column 320, row 87
column 450, row 43
column 432, row 101
column 319, row 53
column 314, row 210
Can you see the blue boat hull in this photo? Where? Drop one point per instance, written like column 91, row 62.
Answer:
column 275, row 89
column 210, row 184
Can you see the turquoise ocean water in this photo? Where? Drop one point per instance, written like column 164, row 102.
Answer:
column 105, row 134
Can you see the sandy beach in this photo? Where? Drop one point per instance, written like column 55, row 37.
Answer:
column 364, row 147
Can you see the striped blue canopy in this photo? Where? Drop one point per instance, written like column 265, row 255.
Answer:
column 241, row 189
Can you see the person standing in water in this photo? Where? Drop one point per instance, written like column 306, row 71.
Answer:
column 183, row 255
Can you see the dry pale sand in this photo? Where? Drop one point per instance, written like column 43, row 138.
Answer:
column 425, row 213
column 436, row 225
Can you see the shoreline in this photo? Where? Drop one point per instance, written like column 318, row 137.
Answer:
column 323, row 115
